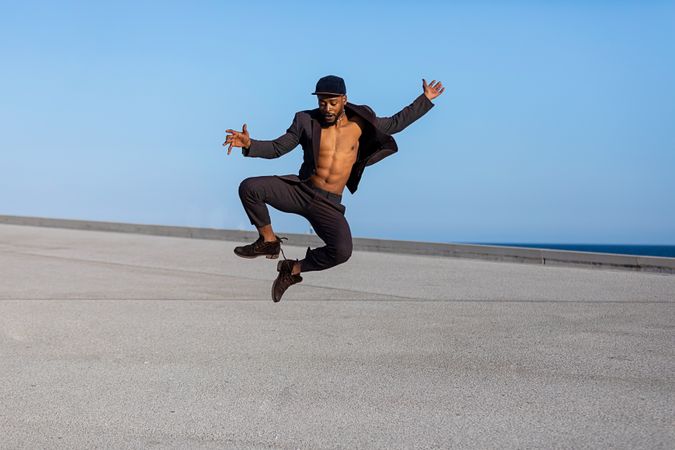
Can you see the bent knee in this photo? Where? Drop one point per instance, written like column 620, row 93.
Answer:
column 247, row 186
column 343, row 253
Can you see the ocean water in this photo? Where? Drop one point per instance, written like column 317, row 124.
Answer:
column 667, row 251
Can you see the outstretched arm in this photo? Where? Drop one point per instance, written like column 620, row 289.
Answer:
column 409, row 114
column 264, row 149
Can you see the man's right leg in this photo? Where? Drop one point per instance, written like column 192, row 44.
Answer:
column 255, row 194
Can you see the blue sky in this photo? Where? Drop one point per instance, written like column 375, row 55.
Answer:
column 556, row 124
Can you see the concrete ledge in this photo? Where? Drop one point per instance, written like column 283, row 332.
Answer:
column 554, row 257
column 486, row 252
column 655, row 264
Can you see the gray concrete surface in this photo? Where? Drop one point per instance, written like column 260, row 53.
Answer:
column 473, row 251
column 111, row 340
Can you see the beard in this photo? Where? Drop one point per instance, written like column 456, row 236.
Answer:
column 328, row 120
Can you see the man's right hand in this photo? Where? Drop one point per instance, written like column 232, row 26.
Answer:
column 237, row 139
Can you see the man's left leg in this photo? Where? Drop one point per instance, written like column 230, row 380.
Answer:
column 330, row 225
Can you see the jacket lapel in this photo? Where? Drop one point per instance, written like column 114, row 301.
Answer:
column 380, row 146
column 316, row 139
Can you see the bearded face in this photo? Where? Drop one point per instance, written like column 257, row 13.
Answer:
column 331, row 108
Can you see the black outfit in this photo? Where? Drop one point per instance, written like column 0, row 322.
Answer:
column 296, row 193
column 321, row 208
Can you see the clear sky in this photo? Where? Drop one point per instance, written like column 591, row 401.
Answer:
column 557, row 123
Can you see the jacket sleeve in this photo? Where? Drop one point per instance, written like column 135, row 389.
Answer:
column 406, row 116
column 279, row 146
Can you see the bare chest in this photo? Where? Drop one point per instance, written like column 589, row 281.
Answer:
column 339, row 142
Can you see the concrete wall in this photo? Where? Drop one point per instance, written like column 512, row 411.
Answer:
column 495, row 253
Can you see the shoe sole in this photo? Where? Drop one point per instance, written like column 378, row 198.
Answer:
column 275, row 282
column 274, row 299
column 257, row 256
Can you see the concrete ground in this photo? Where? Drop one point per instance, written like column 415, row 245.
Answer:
column 127, row 341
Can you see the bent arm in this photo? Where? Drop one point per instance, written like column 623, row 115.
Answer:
column 276, row 148
column 399, row 121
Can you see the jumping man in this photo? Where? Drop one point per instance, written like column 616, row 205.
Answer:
column 339, row 139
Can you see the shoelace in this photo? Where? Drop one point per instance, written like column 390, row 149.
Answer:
column 261, row 241
column 281, row 248
column 287, row 278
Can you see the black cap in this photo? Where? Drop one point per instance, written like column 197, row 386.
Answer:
column 330, row 84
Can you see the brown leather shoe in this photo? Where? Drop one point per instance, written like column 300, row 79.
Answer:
column 285, row 279
column 260, row 248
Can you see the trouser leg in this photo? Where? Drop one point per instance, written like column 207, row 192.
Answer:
column 258, row 192
column 328, row 223
column 332, row 227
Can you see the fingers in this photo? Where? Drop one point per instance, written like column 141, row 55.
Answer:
column 438, row 87
column 433, row 89
column 232, row 137
column 231, row 140
column 235, row 138
column 433, row 84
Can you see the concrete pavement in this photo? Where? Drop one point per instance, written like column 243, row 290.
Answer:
column 113, row 340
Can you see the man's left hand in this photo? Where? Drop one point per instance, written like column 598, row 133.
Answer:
column 433, row 89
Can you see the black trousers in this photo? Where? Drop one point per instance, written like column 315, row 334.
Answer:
column 321, row 208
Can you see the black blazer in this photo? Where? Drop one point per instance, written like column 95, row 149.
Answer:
column 375, row 142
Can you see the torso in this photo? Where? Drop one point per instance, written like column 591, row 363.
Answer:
column 338, row 150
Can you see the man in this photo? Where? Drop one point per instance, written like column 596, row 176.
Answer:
column 339, row 140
